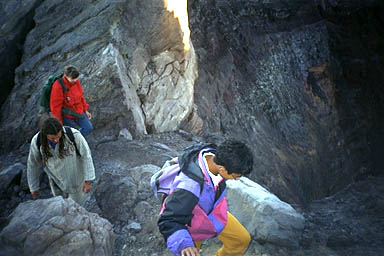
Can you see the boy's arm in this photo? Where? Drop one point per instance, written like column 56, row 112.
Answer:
column 176, row 215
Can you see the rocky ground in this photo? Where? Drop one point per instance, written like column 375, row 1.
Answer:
column 350, row 222
column 301, row 81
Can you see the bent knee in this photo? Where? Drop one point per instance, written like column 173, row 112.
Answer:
column 245, row 239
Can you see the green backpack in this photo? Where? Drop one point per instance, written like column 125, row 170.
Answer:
column 46, row 91
column 45, row 95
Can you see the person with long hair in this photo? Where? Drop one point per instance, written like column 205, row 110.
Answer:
column 68, row 164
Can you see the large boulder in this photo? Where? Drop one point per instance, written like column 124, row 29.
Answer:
column 56, row 226
column 115, row 195
column 125, row 196
column 265, row 216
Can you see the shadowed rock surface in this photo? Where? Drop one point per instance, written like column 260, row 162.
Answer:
column 300, row 81
column 278, row 74
column 16, row 19
column 56, row 227
column 357, row 208
column 124, row 67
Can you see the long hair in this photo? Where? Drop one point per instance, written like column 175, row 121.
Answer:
column 51, row 126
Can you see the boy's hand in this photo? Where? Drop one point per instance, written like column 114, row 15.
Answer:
column 87, row 187
column 190, row 251
column 36, row 194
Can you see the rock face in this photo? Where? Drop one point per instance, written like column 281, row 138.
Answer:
column 9, row 176
column 300, row 81
column 126, row 199
column 348, row 223
column 131, row 79
column 56, row 227
column 267, row 218
column 344, row 223
column 16, row 20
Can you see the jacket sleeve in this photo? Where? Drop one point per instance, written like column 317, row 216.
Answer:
column 57, row 101
column 86, row 157
column 33, row 166
column 83, row 101
column 176, row 215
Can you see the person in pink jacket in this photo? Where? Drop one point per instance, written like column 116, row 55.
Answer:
column 196, row 207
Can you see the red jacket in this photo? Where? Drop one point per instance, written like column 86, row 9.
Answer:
column 73, row 99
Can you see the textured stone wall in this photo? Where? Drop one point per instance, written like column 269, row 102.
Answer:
column 300, row 81
column 290, row 78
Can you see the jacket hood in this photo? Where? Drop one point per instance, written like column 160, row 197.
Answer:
column 188, row 161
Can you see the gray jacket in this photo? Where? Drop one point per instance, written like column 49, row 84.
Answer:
column 70, row 172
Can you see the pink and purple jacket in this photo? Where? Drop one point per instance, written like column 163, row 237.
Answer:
column 195, row 210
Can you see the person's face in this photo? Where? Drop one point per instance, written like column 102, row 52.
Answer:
column 224, row 174
column 54, row 138
column 72, row 80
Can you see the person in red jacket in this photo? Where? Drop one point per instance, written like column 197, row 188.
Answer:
column 72, row 101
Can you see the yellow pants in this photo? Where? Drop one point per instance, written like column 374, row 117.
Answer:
column 235, row 238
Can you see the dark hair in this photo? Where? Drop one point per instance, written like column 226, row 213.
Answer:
column 71, row 72
column 235, row 156
column 51, row 126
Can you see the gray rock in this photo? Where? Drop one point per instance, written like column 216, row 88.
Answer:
column 24, row 180
column 56, row 227
column 125, row 71
column 278, row 76
column 16, row 189
column 122, row 195
column 266, row 217
column 274, row 73
column 141, row 176
column 125, row 134
column 134, row 226
column 16, row 19
column 10, row 175
column 116, row 195
column 142, row 210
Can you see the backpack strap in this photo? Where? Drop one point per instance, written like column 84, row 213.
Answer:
column 70, row 135
column 65, row 110
column 38, row 142
column 61, row 82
